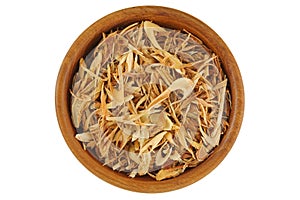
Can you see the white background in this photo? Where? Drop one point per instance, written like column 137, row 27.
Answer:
column 35, row 162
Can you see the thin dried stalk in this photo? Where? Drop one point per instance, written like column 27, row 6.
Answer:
column 150, row 100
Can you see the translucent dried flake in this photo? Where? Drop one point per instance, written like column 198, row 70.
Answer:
column 163, row 154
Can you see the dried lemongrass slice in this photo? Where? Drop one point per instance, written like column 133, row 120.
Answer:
column 150, row 100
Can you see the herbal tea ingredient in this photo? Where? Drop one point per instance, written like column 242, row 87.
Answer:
column 150, row 101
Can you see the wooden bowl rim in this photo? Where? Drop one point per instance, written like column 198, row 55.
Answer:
column 167, row 17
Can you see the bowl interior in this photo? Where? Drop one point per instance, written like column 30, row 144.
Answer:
column 166, row 17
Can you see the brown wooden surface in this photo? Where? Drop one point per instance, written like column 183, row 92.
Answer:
column 165, row 17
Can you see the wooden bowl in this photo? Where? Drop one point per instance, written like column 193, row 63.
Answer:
column 166, row 17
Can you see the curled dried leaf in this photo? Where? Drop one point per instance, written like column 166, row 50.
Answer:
column 170, row 173
column 153, row 142
column 84, row 137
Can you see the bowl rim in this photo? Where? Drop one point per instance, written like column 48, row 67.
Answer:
column 167, row 17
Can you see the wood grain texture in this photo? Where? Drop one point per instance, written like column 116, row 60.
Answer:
column 166, row 17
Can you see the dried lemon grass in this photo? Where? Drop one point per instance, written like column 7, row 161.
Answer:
column 150, row 100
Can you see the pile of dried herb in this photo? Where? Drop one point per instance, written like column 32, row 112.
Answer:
column 150, row 101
